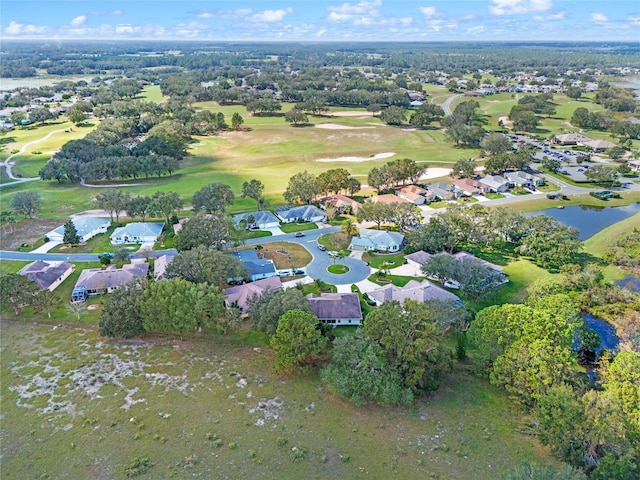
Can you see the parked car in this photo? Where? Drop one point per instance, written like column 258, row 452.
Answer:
column 108, row 255
column 299, row 234
column 321, row 247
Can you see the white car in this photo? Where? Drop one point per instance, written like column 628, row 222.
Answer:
column 452, row 284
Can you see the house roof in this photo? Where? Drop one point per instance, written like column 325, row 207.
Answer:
column 111, row 277
column 84, row 225
column 388, row 198
column 414, row 189
column 254, row 264
column 304, row 211
column 414, row 290
column 571, row 138
column 462, row 256
column 260, row 217
column 372, row 238
column 519, row 175
column 160, row 265
column 468, row 184
column 340, row 200
column 494, row 181
column 599, row 144
column 139, row 229
column 240, row 294
column 420, row 257
column 335, row 306
column 45, row 274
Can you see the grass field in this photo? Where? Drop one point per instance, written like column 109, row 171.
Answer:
column 75, row 406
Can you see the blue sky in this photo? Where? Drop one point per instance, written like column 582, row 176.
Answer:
column 323, row 20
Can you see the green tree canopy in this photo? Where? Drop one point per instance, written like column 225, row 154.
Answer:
column 205, row 265
column 298, row 342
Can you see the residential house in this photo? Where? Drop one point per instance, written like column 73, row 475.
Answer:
column 415, row 194
column 444, row 191
column 599, row 145
column 342, row 203
column 137, row 232
column 495, row 183
column 336, row 308
column 48, row 275
column 413, row 290
column 262, row 219
column 417, row 259
column 388, row 198
column 87, row 227
column 160, row 266
column 523, row 179
column 239, row 295
column 377, row 240
column 257, row 267
column 304, row 213
column 470, row 187
column 96, row 281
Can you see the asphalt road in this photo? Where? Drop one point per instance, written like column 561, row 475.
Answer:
column 72, row 257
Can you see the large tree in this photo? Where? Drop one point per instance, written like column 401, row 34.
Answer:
column 411, row 342
column 16, row 291
column 122, row 315
column 165, row 204
column 213, row 198
column 265, row 310
column 138, row 206
column 70, row 236
column 549, row 243
column 253, row 189
column 496, row 143
column 298, row 342
column 360, row 372
column 303, row 188
column 26, row 203
column 211, row 231
column 205, row 265
column 464, row 168
column 113, row 201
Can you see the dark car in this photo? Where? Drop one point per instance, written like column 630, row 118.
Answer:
column 299, row 234
column 108, row 255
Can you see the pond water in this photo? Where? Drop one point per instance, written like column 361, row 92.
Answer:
column 630, row 282
column 610, row 340
column 589, row 220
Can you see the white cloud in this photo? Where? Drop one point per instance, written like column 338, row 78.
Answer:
column 428, row 12
column 634, row 21
column 475, row 30
column 268, row 16
column 550, row 17
column 206, row 15
column 125, row 28
column 321, row 32
column 15, row 29
column 78, row 21
column 116, row 12
column 361, row 8
column 510, row 7
column 599, row 18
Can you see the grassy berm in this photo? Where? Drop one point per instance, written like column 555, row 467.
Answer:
column 77, row 407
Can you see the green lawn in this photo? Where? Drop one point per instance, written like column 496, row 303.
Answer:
column 335, row 241
column 397, row 280
column 338, row 269
column 383, row 261
column 211, row 408
column 493, row 195
column 152, row 93
column 297, row 227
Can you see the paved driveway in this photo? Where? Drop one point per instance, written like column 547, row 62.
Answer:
column 358, row 270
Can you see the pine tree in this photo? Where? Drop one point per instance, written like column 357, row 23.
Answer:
column 71, row 236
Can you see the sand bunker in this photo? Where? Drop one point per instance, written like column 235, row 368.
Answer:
column 335, row 126
column 435, row 172
column 378, row 156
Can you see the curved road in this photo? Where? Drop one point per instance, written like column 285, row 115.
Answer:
column 446, row 106
column 8, row 164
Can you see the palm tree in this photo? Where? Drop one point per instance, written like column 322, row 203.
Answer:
column 349, row 228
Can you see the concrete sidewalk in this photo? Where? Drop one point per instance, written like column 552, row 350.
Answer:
column 46, row 247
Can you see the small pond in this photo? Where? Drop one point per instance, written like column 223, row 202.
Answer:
column 610, row 340
column 630, row 282
column 589, row 220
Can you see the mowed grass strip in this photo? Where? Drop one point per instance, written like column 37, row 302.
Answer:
column 211, row 407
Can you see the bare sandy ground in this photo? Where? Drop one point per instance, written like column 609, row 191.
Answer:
column 378, row 156
column 335, row 126
column 351, row 114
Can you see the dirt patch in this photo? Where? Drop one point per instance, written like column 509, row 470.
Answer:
column 352, row 114
column 335, row 126
column 26, row 231
column 377, row 156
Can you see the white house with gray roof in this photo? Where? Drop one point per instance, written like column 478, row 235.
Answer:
column 413, row 290
column 87, row 227
column 523, row 179
column 303, row 213
column 137, row 232
column 262, row 219
column 377, row 240
column 496, row 183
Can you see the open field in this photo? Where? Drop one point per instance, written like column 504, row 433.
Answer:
column 152, row 93
column 79, row 407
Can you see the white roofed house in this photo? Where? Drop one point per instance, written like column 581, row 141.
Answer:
column 137, row 232
column 377, row 240
column 444, row 191
column 413, row 290
column 303, row 213
column 87, row 227
column 262, row 219
column 523, row 179
column 495, row 183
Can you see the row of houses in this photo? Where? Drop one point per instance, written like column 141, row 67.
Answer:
column 131, row 233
